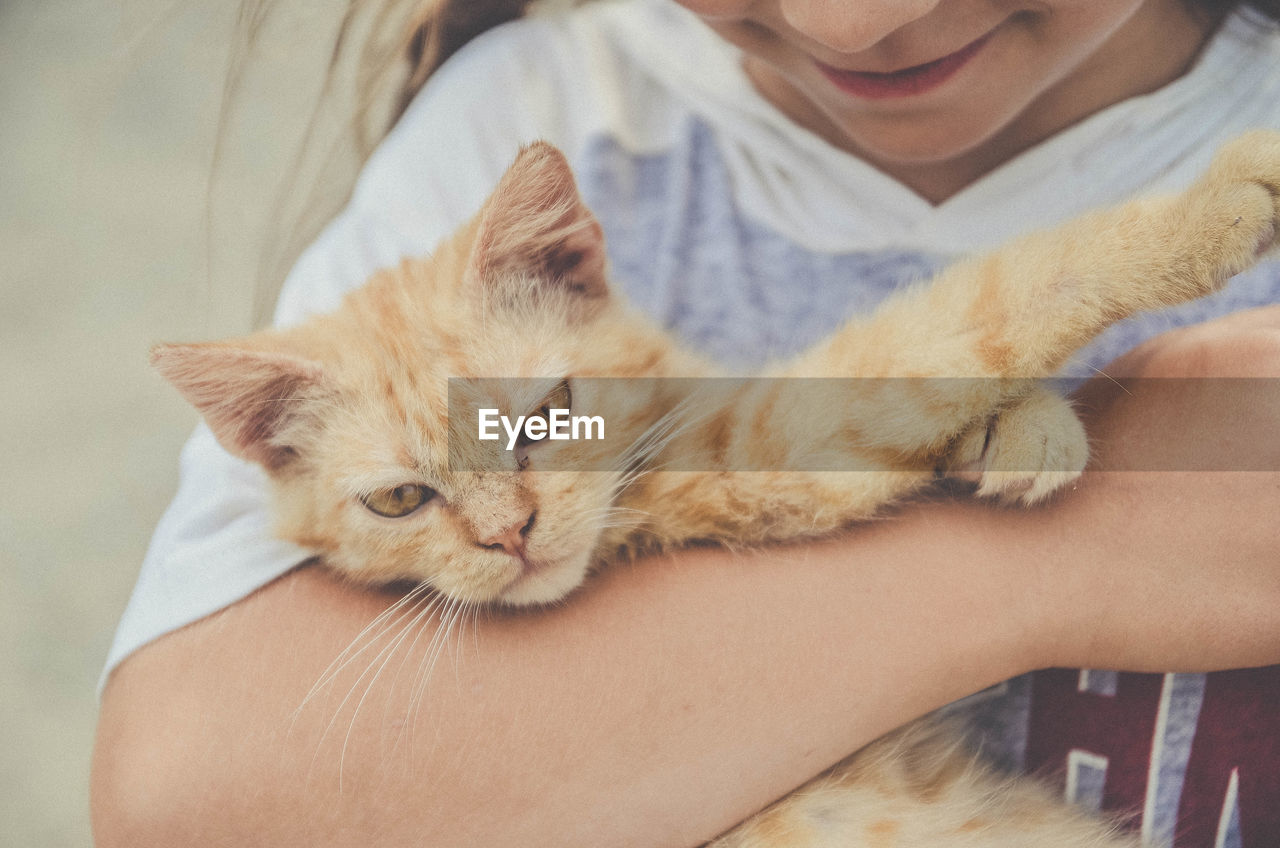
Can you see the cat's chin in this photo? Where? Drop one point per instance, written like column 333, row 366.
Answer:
column 545, row 585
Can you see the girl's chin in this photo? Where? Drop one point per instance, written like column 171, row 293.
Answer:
column 911, row 140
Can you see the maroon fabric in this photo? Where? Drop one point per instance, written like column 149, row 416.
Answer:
column 1235, row 730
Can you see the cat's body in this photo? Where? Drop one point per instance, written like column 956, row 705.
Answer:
column 349, row 414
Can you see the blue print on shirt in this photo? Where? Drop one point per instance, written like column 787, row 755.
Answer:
column 731, row 288
column 744, row 294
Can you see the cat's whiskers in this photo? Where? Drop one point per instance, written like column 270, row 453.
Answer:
column 637, row 460
column 1119, row 385
column 464, row 612
column 453, row 611
column 389, row 652
column 414, row 688
column 440, row 640
column 444, row 626
column 601, row 518
column 350, row 653
column 616, row 518
column 616, row 509
column 410, row 616
column 640, row 449
column 653, row 438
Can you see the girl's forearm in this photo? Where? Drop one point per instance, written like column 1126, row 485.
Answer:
column 666, row 702
column 670, row 699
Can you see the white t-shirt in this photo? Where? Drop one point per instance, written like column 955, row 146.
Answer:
column 744, row 233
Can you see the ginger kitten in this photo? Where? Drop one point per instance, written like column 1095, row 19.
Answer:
column 350, row 416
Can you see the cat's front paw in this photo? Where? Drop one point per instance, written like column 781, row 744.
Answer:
column 1237, row 204
column 1025, row 452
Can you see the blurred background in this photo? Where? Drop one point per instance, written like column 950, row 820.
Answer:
column 116, row 232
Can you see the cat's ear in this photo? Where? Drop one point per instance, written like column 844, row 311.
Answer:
column 535, row 226
column 255, row 402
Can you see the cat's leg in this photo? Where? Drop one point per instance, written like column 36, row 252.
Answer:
column 751, row 508
column 1024, row 452
column 934, row 364
column 810, row 473
column 921, row 787
column 1022, row 310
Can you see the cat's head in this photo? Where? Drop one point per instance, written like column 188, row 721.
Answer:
column 348, row 412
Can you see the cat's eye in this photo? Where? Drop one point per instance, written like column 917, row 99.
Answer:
column 398, row 502
column 559, row 398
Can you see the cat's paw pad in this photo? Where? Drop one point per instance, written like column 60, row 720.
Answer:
column 1024, row 453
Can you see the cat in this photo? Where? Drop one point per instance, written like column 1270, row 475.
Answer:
column 349, row 415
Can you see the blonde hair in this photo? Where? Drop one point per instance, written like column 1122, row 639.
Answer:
column 441, row 28
column 381, row 53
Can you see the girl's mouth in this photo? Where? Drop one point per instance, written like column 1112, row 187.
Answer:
column 906, row 82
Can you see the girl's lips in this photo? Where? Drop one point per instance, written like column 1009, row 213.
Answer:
column 906, row 82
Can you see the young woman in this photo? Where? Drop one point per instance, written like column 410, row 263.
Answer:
column 762, row 169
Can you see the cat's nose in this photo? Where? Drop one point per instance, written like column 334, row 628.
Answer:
column 512, row 540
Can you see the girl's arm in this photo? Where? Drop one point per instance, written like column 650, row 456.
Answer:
column 668, row 701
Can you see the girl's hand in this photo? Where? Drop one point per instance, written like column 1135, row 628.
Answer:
column 1188, row 571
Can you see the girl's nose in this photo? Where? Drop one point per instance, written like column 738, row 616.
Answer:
column 850, row 26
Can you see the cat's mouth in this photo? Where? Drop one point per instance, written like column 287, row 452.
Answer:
column 529, row 568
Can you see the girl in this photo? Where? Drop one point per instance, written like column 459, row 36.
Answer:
column 762, row 169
